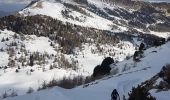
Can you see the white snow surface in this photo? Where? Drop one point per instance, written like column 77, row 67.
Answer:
column 162, row 34
column 40, row 44
column 54, row 9
column 101, row 89
column 20, row 82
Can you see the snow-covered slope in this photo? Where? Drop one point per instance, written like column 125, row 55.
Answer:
column 101, row 89
column 16, row 51
column 103, row 15
column 69, row 38
column 55, row 9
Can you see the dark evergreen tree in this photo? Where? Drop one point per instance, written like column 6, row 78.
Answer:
column 136, row 56
column 96, row 70
column 16, row 70
column 158, row 42
column 107, row 61
column 104, row 68
column 166, row 73
column 7, row 39
column 141, row 47
column 31, row 60
column 82, row 1
column 168, row 39
column 3, row 39
column 140, row 93
column 51, row 44
column 163, row 40
column 31, row 70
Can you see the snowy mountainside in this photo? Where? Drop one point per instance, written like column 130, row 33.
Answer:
column 148, row 18
column 149, row 66
column 61, row 12
column 52, row 39
column 17, row 49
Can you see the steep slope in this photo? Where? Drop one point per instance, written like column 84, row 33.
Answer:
column 149, row 66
